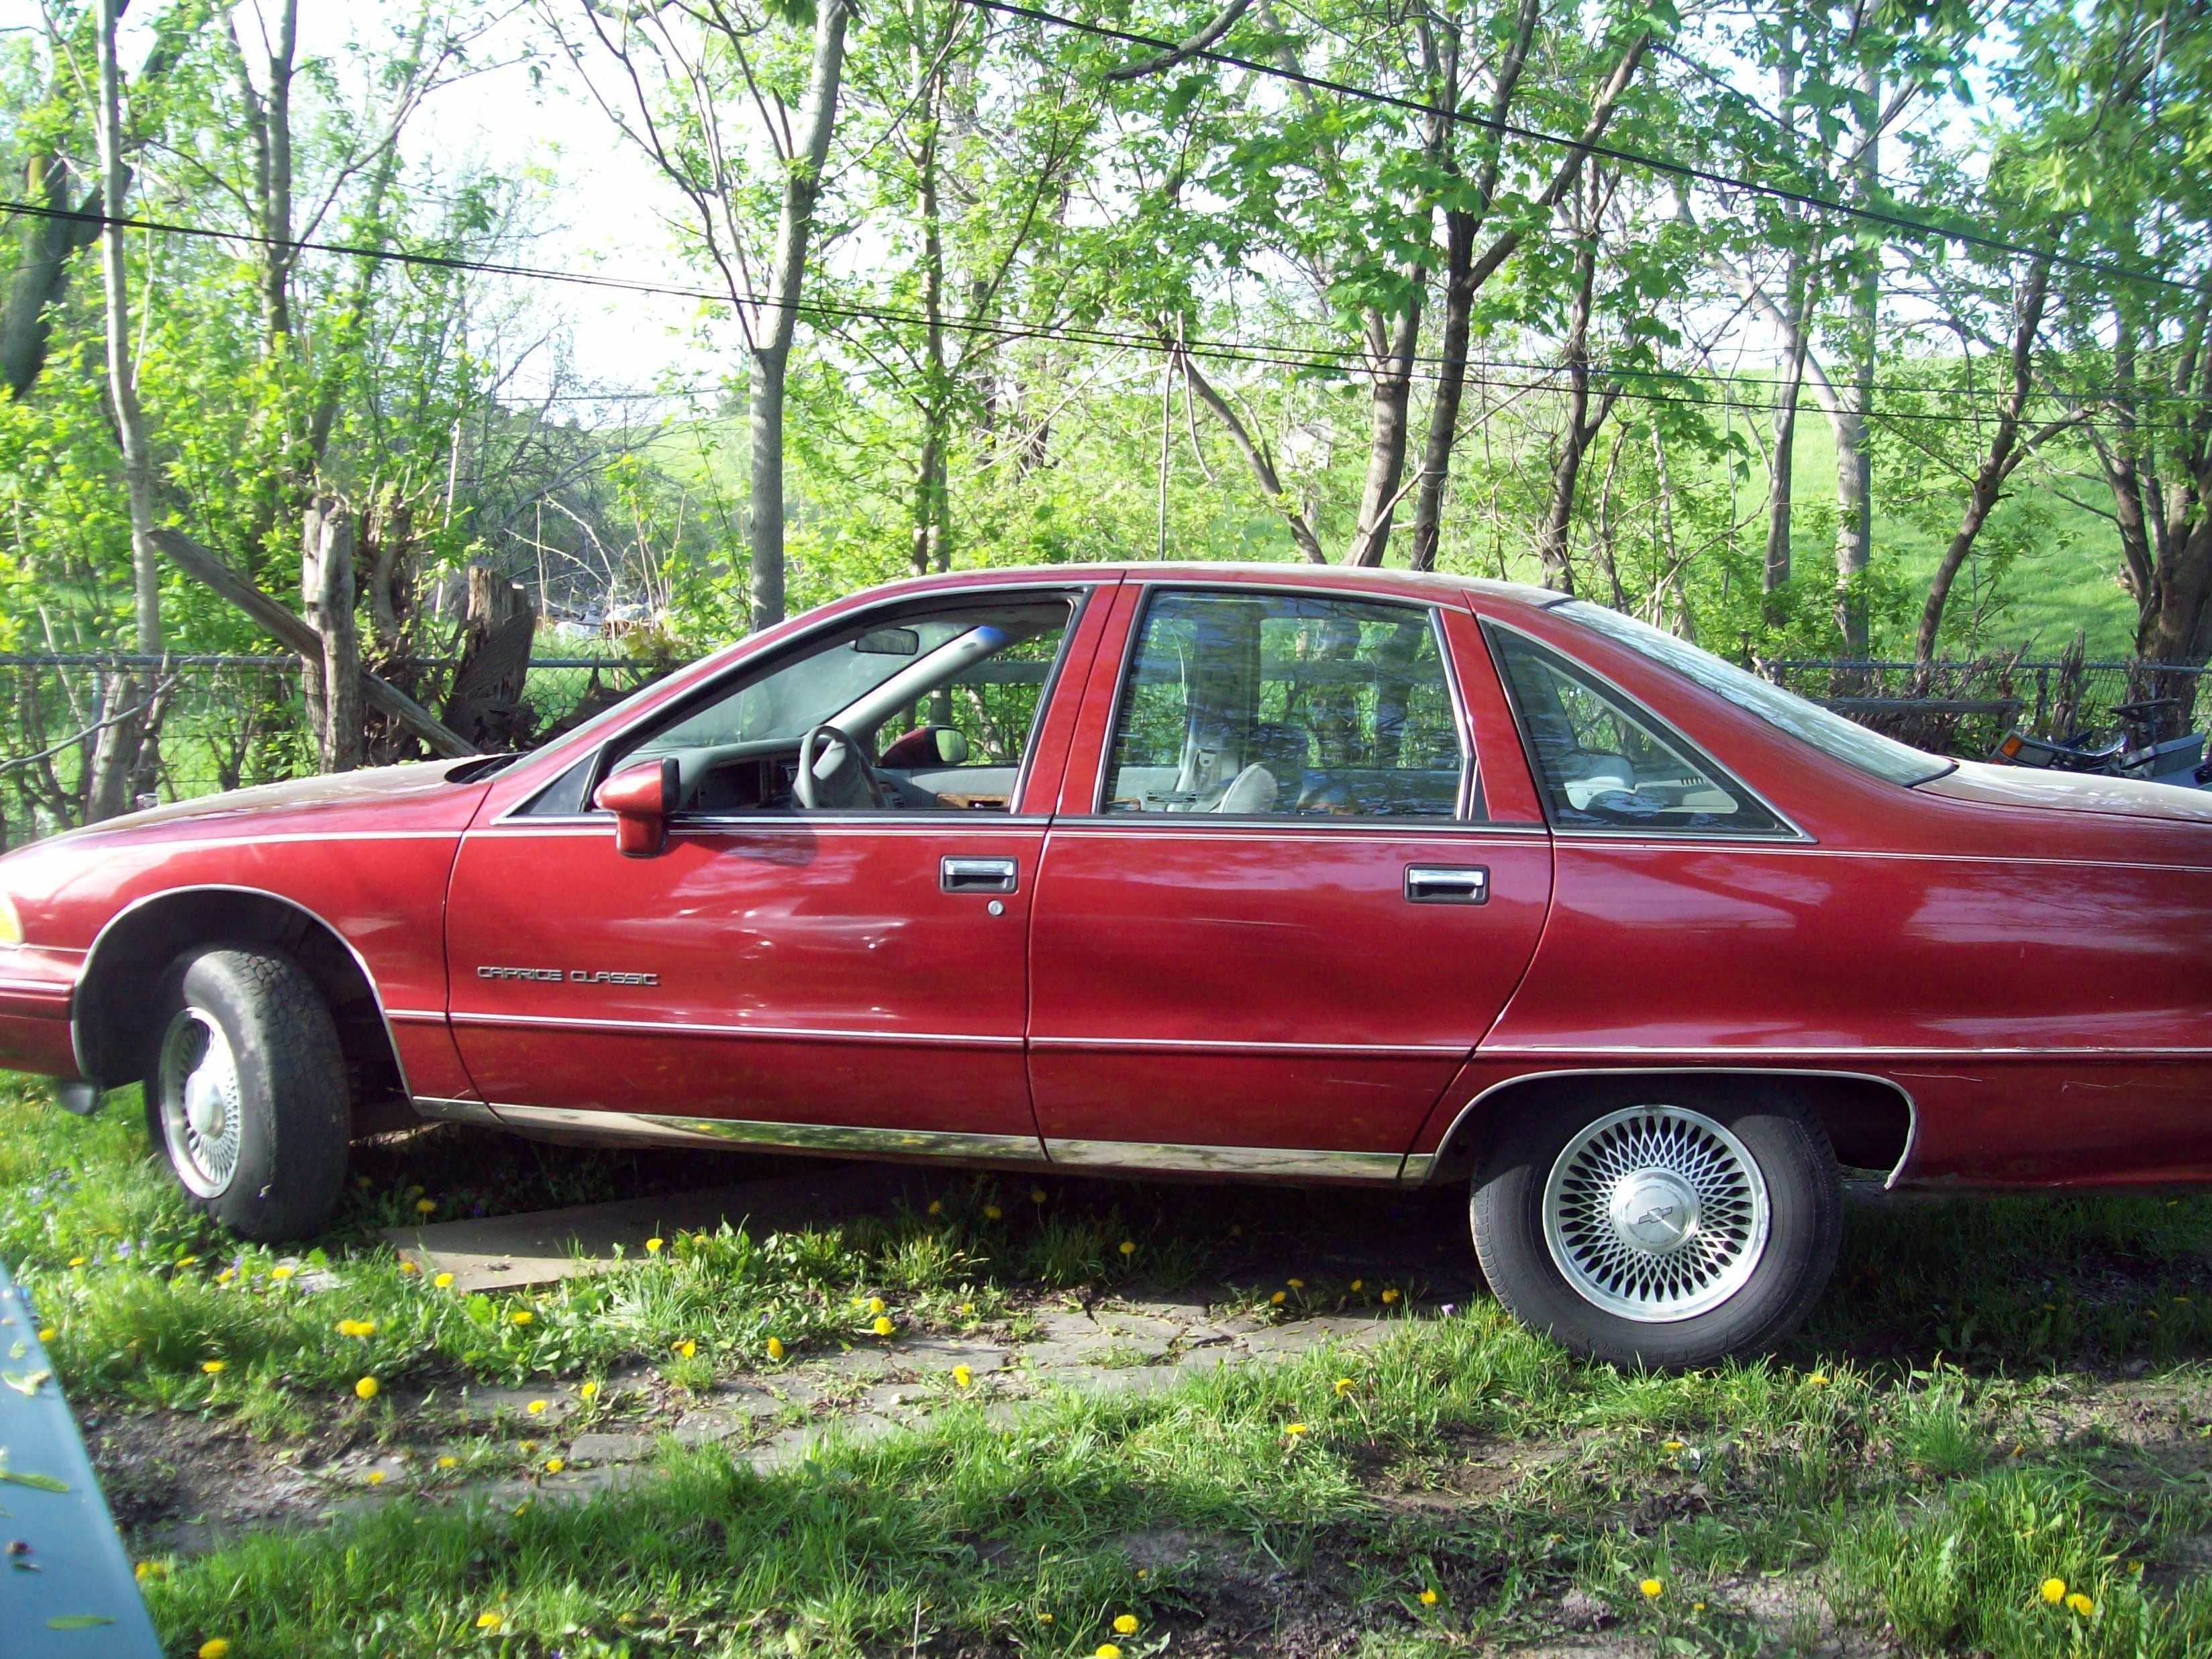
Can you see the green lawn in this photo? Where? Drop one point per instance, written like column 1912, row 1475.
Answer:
column 1992, row 1395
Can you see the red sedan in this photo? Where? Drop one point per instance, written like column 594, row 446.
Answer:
column 1296, row 874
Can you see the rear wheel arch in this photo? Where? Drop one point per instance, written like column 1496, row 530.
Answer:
column 115, row 1024
column 1870, row 1121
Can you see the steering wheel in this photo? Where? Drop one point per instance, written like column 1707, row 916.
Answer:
column 856, row 766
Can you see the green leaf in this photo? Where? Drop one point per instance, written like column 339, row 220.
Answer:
column 36, row 1482
column 78, row 1621
column 24, row 1382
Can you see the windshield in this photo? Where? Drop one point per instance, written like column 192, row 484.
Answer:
column 1830, row 733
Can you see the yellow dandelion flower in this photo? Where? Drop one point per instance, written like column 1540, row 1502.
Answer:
column 554, row 1465
column 444, row 1281
column 376, row 1477
column 1294, row 1429
column 1107, row 1651
column 407, row 1269
column 1697, row 1607
column 1044, row 1619
column 229, row 1273
column 1344, row 1386
column 521, row 1316
column 776, row 1347
column 425, row 1206
column 1388, row 1296
column 875, row 1305
column 188, row 1261
column 652, row 1246
column 1278, row 1299
column 366, row 1389
column 529, row 1447
column 587, row 1391
column 46, row 1333
column 1296, row 1283
column 962, row 1376
column 937, row 1206
column 1428, row 1596
column 215, row 1647
column 1672, row 1445
column 1125, row 1624
column 687, row 1347
column 2081, row 1604
column 77, row 1261
column 992, row 1212
column 449, row 1462
column 1817, row 1379
column 2054, row 1590
column 214, row 1367
column 967, row 1309
column 1129, row 1247
column 537, row 1407
column 2135, row 1569
column 1651, row 1588
column 1358, row 1283
column 281, row 1272
column 489, row 1621
column 1037, row 1194
column 882, row 1326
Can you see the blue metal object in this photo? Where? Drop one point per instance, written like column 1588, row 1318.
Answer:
column 66, row 1590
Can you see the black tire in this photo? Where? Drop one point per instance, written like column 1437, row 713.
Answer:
column 1784, row 1142
column 279, row 1073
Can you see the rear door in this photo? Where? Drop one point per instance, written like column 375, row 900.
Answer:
column 1277, row 910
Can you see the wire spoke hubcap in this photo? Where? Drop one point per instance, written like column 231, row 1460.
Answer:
column 202, row 1119
column 1656, row 1213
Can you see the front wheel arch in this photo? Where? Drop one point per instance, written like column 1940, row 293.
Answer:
column 118, row 1040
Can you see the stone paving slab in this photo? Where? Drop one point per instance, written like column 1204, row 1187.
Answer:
column 512, row 1252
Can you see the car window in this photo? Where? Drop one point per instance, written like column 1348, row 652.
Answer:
column 1828, row 732
column 1604, row 763
column 943, row 698
column 1274, row 705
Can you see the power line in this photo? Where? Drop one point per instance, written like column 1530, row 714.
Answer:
column 1666, row 164
column 1267, row 355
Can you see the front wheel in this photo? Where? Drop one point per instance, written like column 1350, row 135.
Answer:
column 1662, row 1225
column 249, row 1098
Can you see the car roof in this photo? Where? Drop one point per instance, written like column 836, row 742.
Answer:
column 1286, row 572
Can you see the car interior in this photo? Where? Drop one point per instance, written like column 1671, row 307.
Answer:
column 930, row 711
column 1282, row 705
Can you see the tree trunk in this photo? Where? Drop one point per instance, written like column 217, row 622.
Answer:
column 1566, row 467
column 1780, row 489
column 2004, row 454
column 771, row 355
column 485, row 705
column 333, row 677
column 1390, row 350
column 1854, row 466
column 117, row 757
column 929, row 545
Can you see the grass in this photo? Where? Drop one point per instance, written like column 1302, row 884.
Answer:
column 1962, row 1420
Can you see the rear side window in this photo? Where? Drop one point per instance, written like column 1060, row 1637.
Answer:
column 1604, row 763
column 1285, row 705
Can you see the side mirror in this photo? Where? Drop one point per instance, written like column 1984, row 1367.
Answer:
column 640, row 797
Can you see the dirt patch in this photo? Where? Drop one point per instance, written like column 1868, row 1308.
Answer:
column 183, row 1484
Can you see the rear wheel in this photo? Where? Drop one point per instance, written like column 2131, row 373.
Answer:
column 1662, row 1225
column 248, row 1099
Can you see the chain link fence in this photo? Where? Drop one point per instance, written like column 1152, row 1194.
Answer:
column 1965, row 709
column 225, row 722
column 229, row 722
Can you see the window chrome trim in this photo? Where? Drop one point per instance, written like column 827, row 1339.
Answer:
column 1790, row 831
column 1080, row 592
column 1148, row 587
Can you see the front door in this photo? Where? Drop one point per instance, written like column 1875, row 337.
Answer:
column 1284, row 920
column 849, row 975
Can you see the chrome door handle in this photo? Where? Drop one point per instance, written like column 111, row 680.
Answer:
column 977, row 875
column 1441, row 884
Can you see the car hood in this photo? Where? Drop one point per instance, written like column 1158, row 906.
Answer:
column 378, row 788
column 2075, row 791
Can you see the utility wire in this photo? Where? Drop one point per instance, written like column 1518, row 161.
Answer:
column 1666, row 164
column 1268, row 355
